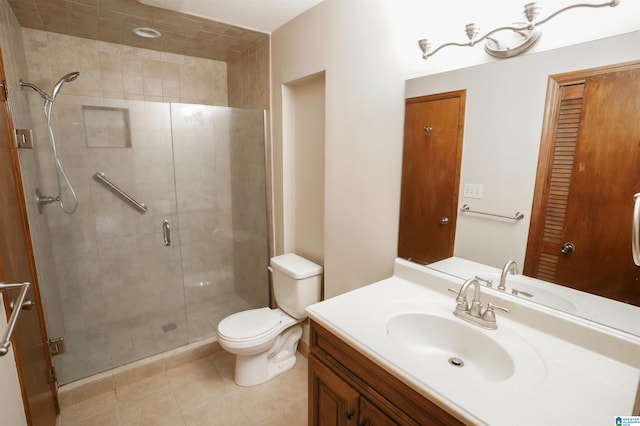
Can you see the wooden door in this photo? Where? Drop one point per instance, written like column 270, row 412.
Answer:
column 30, row 343
column 430, row 176
column 592, row 172
column 332, row 402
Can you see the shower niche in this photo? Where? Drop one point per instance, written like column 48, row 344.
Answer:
column 123, row 294
column 106, row 127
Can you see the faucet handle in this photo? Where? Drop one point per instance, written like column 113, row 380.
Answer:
column 461, row 301
column 490, row 315
column 486, row 282
column 517, row 292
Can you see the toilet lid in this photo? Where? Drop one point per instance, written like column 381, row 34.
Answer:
column 251, row 324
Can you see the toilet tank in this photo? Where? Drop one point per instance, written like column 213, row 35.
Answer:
column 296, row 283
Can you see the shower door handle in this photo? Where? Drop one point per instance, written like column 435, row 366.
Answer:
column 166, row 232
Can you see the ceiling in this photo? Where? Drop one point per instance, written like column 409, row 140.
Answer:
column 259, row 15
column 114, row 21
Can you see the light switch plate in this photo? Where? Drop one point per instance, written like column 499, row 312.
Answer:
column 472, row 190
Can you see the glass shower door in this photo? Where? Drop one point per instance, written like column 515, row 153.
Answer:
column 119, row 282
column 219, row 155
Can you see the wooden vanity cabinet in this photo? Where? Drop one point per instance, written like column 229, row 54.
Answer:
column 348, row 389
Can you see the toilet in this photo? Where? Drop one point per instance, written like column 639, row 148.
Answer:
column 265, row 340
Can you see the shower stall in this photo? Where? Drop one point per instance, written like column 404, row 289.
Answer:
column 170, row 231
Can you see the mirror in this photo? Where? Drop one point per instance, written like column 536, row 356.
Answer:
column 504, row 116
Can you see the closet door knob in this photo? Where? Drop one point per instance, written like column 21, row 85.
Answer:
column 568, row 248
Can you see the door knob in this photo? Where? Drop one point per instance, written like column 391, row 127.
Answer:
column 444, row 220
column 568, row 248
column 27, row 305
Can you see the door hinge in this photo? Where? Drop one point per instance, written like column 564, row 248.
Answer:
column 57, row 346
column 4, row 93
column 54, row 380
column 24, row 139
column 54, row 375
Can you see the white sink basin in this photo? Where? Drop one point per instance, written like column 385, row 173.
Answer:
column 434, row 345
column 450, row 346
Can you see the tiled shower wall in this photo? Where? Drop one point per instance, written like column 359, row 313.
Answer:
column 115, row 71
column 106, row 247
column 248, row 77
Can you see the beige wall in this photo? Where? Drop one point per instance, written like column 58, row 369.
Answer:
column 11, row 405
column 364, row 95
column 367, row 51
column 305, row 172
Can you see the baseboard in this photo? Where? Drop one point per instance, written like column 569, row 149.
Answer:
column 303, row 348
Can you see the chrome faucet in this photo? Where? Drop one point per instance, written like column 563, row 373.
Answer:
column 461, row 301
column 473, row 313
column 510, row 266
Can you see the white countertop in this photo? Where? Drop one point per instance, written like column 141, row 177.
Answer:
column 556, row 381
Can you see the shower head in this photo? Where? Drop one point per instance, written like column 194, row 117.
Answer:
column 65, row 79
column 50, row 98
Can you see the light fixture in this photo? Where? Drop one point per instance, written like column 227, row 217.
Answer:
column 146, row 32
column 520, row 35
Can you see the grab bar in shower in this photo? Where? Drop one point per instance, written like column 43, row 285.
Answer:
column 101, row 178
column 6, row 337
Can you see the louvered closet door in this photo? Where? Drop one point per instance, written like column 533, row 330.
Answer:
column 558, row 185
column 594, row 172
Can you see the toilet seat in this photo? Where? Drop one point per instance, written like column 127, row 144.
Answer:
column 254, row 325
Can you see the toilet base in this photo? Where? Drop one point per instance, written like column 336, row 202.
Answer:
column 252, row 370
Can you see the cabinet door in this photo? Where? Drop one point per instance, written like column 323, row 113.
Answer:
column 370, row 415
column 332, row 401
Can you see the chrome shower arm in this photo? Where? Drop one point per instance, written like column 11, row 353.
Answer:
column 37, row 89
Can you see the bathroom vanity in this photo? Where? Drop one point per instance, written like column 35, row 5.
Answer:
column 345, row 385
column 393, row 353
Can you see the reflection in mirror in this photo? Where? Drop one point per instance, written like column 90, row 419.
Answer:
column 588, row 173
column 505, row 111
column 621, row 316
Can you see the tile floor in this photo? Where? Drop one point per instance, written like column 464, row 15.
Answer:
column 200, row 393
column 119, row 342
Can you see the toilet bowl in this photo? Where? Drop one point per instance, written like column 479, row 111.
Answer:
column 265, row 340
